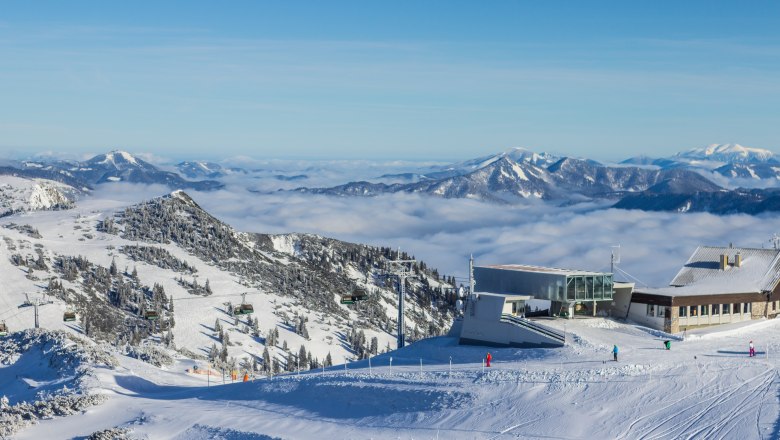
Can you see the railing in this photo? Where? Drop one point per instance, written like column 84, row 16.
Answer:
column 540, row 329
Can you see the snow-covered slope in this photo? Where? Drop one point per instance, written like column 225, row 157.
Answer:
column 704, row 387
column 729, row 153
column 200, row 169
column 18, row 194
column 517, row 154
column 112, row 265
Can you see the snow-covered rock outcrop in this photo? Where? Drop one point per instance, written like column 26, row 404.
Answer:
column 45, row 374
column 18, row 194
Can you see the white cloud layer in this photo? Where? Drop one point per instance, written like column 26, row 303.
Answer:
column 444, row 232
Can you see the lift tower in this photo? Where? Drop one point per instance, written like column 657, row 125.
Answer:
column 401, row 269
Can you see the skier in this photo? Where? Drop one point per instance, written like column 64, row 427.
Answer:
column 752, row 349
column 246, row 377
column 488, row 358
column 615, row 352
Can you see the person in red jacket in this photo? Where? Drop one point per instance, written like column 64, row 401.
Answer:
column 488, row 358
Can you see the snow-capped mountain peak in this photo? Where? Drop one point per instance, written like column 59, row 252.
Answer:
column 117, row 159
column 731, row 153
column 516, row 154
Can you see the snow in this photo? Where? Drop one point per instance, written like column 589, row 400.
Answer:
column 727, row 153
column 285, row 244
column 704, row 387
column 111, row 158
column 519, row 171
column 73, row 233
column 758, row 271
column 19, row 194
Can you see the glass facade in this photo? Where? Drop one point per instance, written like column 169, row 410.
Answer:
column 553, row 284
column 589, row 287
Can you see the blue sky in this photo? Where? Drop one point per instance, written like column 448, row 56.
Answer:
column 428, row 80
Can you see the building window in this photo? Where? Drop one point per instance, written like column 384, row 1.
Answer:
column 661, row 311
column 746, row 308
column 683, row 311
column 736, row 309
column 716, row 309
column 705, row 310
column 726, row 309
column 774, row 306
column 694, row 310
column 650, row 310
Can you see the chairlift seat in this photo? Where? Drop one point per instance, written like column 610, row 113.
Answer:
column 358, row 294
column 246, row 309
column 151, row 315
column 69, row 316
column 3, row 329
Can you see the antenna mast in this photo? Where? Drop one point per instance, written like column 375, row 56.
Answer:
column 614, row 258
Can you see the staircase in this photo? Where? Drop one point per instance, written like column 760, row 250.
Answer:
column 542, row 330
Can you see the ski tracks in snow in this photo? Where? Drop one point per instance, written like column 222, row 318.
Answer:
column 692, row 422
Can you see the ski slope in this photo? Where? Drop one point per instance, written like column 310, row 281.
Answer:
column 705, row 387
column 73, row 233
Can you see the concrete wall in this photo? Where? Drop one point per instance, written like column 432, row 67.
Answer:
column 482, row 326
column 638, row 314
column 618, row 307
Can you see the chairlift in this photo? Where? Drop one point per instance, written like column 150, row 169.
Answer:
column 358, row 294
column 245, row 308
column 69, row 315
column 151, row 315
column 3, row 329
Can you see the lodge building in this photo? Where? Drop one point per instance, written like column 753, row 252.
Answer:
column 717, row 285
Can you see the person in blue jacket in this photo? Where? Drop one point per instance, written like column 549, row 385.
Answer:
column 615, row 351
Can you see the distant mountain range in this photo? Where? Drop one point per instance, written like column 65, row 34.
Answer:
column 718, row 178
column 508, row 181
column 116, row 166
column 733, row 161
column 681, row 182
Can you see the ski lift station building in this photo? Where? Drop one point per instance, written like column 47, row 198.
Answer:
column 569, row 291
column 495, row 313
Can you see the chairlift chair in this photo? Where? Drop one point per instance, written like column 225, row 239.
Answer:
column 151, row 315
column 69, row 316
column 358, row 294
column 3, row 329
column 245, row 308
